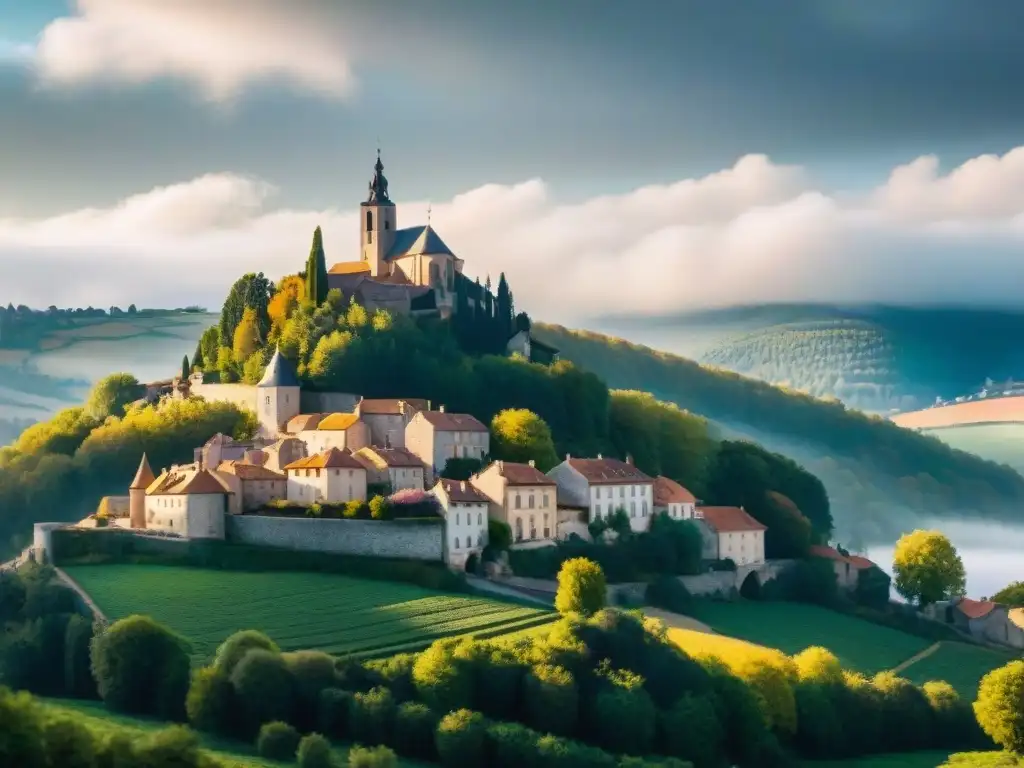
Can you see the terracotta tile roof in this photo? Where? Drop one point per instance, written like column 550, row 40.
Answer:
column 462, row 491
column 178, row 482
column 303, row 421
column 453, row 422
column 860, row 562
column 975, row 609
column 349, row 268
column 144, row 477
column 332, row 458
column 668, row 491
column 245, row 471
column 337, row 422
column 856, row 561
column 603, row 471
column 389, row 457
column 390, row 406
column 730, row 520
column 522, row 474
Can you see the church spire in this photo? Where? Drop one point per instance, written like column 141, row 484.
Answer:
column 378, row 185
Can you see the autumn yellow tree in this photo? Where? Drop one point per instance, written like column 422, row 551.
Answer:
column 518, row 434
column 927, row 567
column 247, row 336
column 289, row 292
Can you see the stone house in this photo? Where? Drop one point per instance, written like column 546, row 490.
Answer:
column 536, row 351
column 521, row 496
column 731, row 533
column 284, row 452
column 436, row 436
column 395, row 467
column 252, row 486
column 606, row 485
column 188, row 501
column 344, row 431
column 466, row 514
column 330, row 477
column 387, row 419
column 987, row 620
column 847, row 567
column 673, row 499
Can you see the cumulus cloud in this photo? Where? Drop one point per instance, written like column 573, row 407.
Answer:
column 756, row 232
column 218, row 45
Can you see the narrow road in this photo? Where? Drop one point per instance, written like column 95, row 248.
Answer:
column 916, row 658
column 486, row 585
column 72, row 584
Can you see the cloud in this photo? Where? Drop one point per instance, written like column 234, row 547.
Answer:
column 218, row 45
column 755, row 232
column 15, row 52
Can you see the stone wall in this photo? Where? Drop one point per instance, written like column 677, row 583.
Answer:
column 410, row 540
column 328, row 402
column 242, row 395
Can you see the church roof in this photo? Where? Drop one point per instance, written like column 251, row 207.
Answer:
column 280, row 373
column 349, row 268
column 413, row 241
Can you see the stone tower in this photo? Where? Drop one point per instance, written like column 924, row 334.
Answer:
column 377, row 223
column 137, row 494
column 279, row 395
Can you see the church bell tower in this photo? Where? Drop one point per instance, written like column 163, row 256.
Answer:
column 377, row 223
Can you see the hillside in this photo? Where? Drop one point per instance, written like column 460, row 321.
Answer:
column 880, row 477
column 873, row 358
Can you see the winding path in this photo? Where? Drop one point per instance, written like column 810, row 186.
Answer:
column 72, row 584
column 916, row 658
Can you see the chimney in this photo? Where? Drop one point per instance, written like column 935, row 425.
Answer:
column 629, row 459
column 440, row 408
column 533, row 463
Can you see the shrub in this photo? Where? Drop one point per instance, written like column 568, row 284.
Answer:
column 78, row 680
column 818, row 665
column 1000, row 706
column 819, row 729
column 264, row 690
column 622, row 719
column 669, row 593
column 395, row 672
column 460, row 739
column 141, row 667
column 69, row 744
column 905, row 715
column 953, row 718
column 510, row 745
column 444, row 682
column 380, row 509
column 551, row 700
column 332, row 712
column 690, row 730
column 21, row 737
column 314, row 752
column 771, row 676
column 497, row 673
column 858, row 705
column 277, row 741
column 167, row 748
column 371, row 716
column 235, row 647
column 210, row 704
column 581, row 587
column 499, row 535
column 312, row 671
column 414, row 730
column 372, row 757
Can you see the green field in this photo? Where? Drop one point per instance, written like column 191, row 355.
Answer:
column 336, row 614
column 791, row 627
column 926, row 760
column 959, row 664
column 1002, row 443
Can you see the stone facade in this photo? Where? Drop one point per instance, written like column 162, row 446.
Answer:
column 521, row 496
column 604, row 486
column 436, row 436
column 407, row 540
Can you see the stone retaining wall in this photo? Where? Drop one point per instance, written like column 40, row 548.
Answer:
column 409, row 540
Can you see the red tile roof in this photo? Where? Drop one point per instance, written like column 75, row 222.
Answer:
column 391, row 406
column 462, row 491
column 603, row 471
column 730, row 520
column 453, row 422
column 332, row 458
column 828, row 553
column 522, row 474
column 975, row 609
column 668, row 491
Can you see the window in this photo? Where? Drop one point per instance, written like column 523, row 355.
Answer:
column 456, row 543
column 632, row 490
column 622, row 491
column 597, row 511
column 479, row 518
column 632, row 509
column 531, row 501
column 519, row 529
column 480, row 540
column 547, row 530
column 268, row 401
column 519, row 502
column 317, row 471
column 545, row 499
column 533, row 528
column 457, row 520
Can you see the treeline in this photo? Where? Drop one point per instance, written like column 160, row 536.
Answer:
column 920, row 473
column 58, row 470
column 22, row 324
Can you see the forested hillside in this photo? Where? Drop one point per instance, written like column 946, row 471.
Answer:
column 880, row 477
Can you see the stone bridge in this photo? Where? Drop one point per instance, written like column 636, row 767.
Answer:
column 724, row 583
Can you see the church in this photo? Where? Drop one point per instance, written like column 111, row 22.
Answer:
column 408, row 270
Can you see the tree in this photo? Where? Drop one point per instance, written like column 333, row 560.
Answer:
column 290, row 290
column 521, row 435
column 110, row 395
column 504, row 310
column 316, row 270
column 209, row 345
column 581, row 587
column 1011, row 595
column 186, row 369
column 247, row 338
column 927, row 567
column 251, row 291
column 1000, row 706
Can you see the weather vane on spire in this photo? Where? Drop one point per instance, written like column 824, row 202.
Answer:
column 428, row 214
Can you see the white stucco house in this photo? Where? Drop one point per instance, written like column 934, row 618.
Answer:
column 436, row 436
column 673, row 499
column 521, row 496
column 731, row 533
column 188, row 501
column 333, row 476
column 345, row 431
column 606, row 485
column 466, row 514
column 252, row 486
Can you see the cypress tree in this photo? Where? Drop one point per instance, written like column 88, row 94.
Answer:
column 503, row 324
column 316, row 270
column 197, row 356
column 185, row 369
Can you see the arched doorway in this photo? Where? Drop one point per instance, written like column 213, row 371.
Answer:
column 750, row 589
column 473, row 563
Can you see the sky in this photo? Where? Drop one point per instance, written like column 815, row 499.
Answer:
column 625, row 158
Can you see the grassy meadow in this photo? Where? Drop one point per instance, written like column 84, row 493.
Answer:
column 337, row 614
column 960, row 664
column 1002, row 443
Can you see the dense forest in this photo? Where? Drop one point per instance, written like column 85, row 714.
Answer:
column 876, row 472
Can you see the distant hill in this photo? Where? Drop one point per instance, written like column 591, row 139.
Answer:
column 882, row 479
column 877, row 359
column 54, row 367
